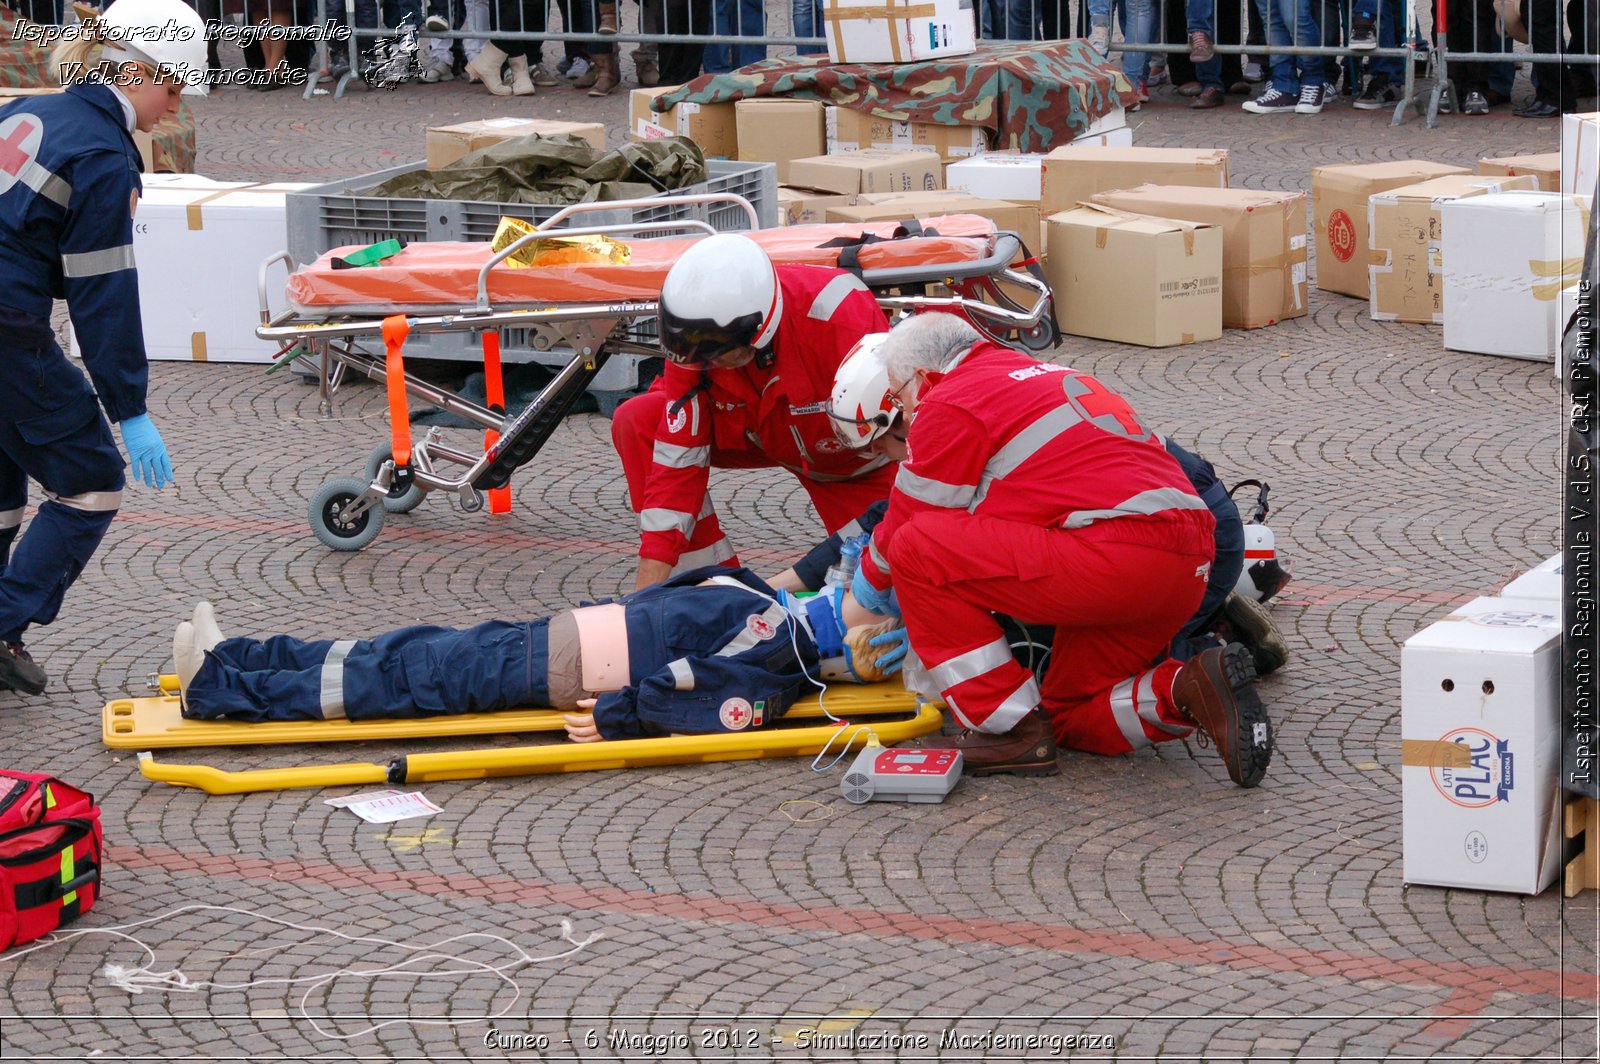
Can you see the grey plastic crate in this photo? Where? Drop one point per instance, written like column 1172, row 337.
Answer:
column 340, row 213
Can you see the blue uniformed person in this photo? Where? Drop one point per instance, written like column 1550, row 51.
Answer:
column 69, row 183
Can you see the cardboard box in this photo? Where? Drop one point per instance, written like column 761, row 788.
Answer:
column 1263, row 244
column 1149, row 281
column 1542, row 582
column 1342, row 238
column 1019, row 218
column 446, row 144
column 898, row 31
column 710, row 125
column 998, row 175
column 1580, row 153
column 805, row 206
column 847, row 129
column 1507, row 257
column 1545, row 168
column 1480, row 733
column 778, row 131
column 1073, row 174
column 214, row 235
column 1405, row 268
column 867, row 170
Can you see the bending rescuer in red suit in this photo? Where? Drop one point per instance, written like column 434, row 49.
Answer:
column 1034, row 490
column 751, row 349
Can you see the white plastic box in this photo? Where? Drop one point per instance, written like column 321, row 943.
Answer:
column 1507, row 256
column 1019, row 177
column 1480, row 734
column 1580, row 153
column 1542, row 582
column 898, row 31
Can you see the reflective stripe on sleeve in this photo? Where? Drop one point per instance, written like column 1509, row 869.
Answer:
column 877, row 556
column 660, row 520
column 933, row 492
column 332, row 695
column 90, row 501
column 1145, row 701
column 1154, row 501
column 1023, row 446
column 46, row 183
column 719, row 552
column 95, row 263
column 1008, row 714
column 832, row 295
column 1126, row 715
column 675, row 457
column 775, row 615
column 682, row 675
column 11, row 518
column 970, row 665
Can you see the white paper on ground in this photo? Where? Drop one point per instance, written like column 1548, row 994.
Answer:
column 392, row 807
column 365, row 796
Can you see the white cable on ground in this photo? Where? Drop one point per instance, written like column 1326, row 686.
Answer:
column 142, row 979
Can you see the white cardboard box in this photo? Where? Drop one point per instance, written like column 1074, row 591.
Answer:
column 1506, row 257
column 898, row 31
column 1480, row 728
column 1542, row 582
column 214, row 235
column 1019, row 176
column 1580, row 153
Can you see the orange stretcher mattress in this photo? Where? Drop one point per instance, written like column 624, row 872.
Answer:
column 445, row 275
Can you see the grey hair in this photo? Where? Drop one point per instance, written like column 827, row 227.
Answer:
column 925, row 341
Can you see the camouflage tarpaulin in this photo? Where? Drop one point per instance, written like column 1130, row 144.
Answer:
column 1032, row 96
column 556, row 169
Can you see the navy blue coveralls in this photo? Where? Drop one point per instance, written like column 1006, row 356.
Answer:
column 718, row 658
column 69, row 172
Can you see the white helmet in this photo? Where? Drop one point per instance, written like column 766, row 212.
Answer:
column 722, row 294
column 165, row 34
column 862, row 406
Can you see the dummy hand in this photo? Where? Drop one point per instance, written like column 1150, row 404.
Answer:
column 581, row 727
column 868, row 596
column 146, row 453
column 898, row 640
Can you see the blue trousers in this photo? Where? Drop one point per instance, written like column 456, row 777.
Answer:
column 51, row 429
column 1195, row 635
column 1289, row 22
column 411, row 672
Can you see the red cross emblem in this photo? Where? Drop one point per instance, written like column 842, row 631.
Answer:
column 1102, row 407
column 736, row 714
column 19, row 142
column 760, row 627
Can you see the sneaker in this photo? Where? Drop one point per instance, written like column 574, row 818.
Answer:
column 1190, row 89
column 1253, row 72
column 1310, row 102
column 577, row 68
column 1216, row 689
column 438, row 71
column 1251, row 624
column 437, row 24
column 1142, row 90
column 542, row 77
column 1330, row 93
column 1476, row 103
column 564, row 65
column 1158, row 74
column 1377, row 95
column 19, row 672
column 1100, row 39
column 1363, row 35
column 1209, row 98
column 1445, row 106
column 1201, row 47
column 1029, row 749
column 1271, row 102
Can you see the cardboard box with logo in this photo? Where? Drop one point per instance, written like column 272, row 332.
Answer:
column 1149, row 281
column 807, row 206
column 446, row 144
column 1263, row 244
column 1580, row 153
column 868, row 170
column 1072, row 175
column 847, row 129
column 1405, row 264
column 1545, row 168
column 1507, row 258
column 710, row 125
column 778, row 131
column 898, row 31
column 1342, row 238
column 1480, row 747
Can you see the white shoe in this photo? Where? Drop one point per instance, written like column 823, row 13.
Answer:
column 206, row 633
column 487, row 65
column 438, row 71
column 186, row 657
column 437, row 24
column 579, row 67
column 1100, row 39
column 521, row 77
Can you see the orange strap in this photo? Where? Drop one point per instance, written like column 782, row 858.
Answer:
column 395, row 329
column 495, row 394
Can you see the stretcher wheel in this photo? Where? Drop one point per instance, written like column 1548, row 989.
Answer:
column 402, row 499
column 330, row 529
column 1042, row 337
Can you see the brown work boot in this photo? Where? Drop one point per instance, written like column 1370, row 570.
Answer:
column 605, row 71
column 1029, row 749
column 1217, row 690
column 608, row 19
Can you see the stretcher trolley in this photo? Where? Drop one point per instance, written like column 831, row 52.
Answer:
column 589, row 311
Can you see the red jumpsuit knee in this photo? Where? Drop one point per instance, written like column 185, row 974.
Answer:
column 1115, row 591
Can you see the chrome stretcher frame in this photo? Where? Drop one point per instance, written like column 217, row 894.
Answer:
column 347, row 513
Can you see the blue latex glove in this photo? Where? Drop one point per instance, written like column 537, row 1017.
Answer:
column 869, row 597
column 897, row 638
column 146, row 453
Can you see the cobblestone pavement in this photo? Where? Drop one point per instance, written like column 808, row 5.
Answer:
column 1139, row 899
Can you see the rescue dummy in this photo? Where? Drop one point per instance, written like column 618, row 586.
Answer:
column 69, row 182
column 1033, row 490
column 751, row 350
column 712, row 650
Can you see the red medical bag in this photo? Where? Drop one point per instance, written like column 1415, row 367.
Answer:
column 50, row 855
